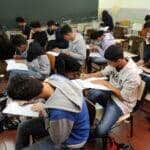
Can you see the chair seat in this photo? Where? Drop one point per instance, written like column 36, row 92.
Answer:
column 123, row 117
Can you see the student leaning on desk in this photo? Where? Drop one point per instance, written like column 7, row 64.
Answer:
column 65, row 121
column 124, row 81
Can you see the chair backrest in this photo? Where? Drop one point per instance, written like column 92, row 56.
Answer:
column 141, row 90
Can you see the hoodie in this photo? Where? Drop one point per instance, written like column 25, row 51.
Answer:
column 67, row 115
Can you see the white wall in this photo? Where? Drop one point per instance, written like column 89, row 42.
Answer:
column 134, row 10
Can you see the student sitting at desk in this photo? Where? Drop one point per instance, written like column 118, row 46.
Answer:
column 124, row 82
column 37, row 34
column 37, row 61
column 103, row 40
column 59, row 41
column 65, row 121
column 22, row 24
column 72, row 58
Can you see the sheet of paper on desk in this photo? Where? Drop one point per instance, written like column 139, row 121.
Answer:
column 53, row 53
column 14, row 109
column 129, row 55
column 95, row 54
column 13, row 65
column 83, row 84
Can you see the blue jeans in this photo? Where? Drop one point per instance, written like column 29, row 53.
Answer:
column 111, row 111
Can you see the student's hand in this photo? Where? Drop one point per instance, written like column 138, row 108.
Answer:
column 56, row 50
column 85, row 76
column 140, row 62
column 17, row 57
column 38, row 107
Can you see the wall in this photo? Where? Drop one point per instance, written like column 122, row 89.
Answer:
column 134, row 10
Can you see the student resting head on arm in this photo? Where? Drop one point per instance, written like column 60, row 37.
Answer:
column 65, row 121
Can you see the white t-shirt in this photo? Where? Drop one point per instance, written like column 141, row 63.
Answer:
column 127, row 80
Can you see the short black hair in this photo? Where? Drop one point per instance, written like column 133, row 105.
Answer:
column 23, row 87
column 20, row 20
column 147, row 18
column 96, row 34
column 66, row 29
column 113, row 53
column 35, row 24
column 51, row 23
column 18, row 40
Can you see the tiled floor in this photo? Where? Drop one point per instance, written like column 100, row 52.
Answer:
column 140, row 140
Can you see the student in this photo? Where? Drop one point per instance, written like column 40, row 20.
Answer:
column 6, row 49
column 38, row 35
column 65, row 121
column 59, row 41
column 37, row 61
column 72, row 58
column 124, row 82
column 21, row 45
column 107, row 20
column 103, row 40
column 22, row 24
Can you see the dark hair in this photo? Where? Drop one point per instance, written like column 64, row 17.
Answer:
column 24, row 88
column 51, row 23
column 20, row 20
column 34, row 51
column 147, row 18
column 66, row 29
column 113, row 53
column 96, row 34
column 35, row 24
column 18, row 40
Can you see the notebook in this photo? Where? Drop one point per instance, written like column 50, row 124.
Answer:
column 13, row 65
column 15, row 109
column 87, row 84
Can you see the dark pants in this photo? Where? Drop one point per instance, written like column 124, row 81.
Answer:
column 66, row 63
column 111, row 111
column 36, row 129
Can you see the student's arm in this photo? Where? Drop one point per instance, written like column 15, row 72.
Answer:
column 44, row 65
column 103, row 73
column 60, row 125
column 115, row 90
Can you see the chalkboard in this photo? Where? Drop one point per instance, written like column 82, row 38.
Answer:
column 44, row 10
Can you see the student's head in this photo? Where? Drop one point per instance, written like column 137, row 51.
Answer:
column 21, row 21
column 36, row 26
column 114, row 56
column 34, row 51
column 52, row 25
column 147, row 18
column 19, row 42
column 67, row 33
column 105, row 14
column 97, row 35
column 24, row 88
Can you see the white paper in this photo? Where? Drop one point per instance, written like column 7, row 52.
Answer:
column 14, row 109
column 129, row 55
column 53, row 53
column 83, row 84
column 95, row 54
column 13, row 65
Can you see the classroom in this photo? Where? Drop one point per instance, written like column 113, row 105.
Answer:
column 75, row 75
